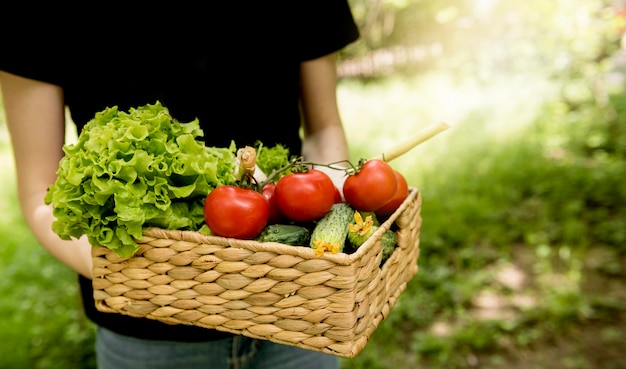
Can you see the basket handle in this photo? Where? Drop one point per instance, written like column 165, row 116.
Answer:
column 421, row 136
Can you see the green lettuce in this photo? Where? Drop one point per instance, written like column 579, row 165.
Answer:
column 133, row 170
column 274, row 158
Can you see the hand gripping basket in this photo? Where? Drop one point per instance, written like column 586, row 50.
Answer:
column 270, row 291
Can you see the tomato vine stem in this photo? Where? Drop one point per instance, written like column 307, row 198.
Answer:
column 298, row 165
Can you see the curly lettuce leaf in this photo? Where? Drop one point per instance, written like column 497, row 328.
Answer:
column 133, row 170
column 273, row 158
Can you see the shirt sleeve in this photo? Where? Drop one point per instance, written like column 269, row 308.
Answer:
column 325, row 26
column 43, row 69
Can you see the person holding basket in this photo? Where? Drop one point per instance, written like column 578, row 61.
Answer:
column 268, row 76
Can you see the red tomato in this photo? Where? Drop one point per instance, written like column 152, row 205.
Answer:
column 402, row 192
column 306, row 196
column 371, row 187
column 275, row 216
column 230, row 211
column 338, row 198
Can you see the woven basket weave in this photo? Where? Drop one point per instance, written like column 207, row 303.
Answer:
column 270, row 291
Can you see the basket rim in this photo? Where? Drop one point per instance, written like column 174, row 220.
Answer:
column 301, row 251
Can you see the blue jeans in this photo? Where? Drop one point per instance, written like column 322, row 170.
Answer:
column 115, row 351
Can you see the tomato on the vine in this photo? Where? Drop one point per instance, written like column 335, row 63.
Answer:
column 231, row 211
column 305, row 196
column 338, row 198
column 371, row 187
column 269, row 192
column 398, row 198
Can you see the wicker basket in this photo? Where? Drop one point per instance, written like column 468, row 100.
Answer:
column 270, row 291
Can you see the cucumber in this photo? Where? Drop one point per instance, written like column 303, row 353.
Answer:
column 289, row 234
column 364, row 226
column 366, row 214
column 331, row 230
column 361, row 228
column 388, row 243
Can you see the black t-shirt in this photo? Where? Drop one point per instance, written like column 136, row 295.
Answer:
column 240, row 81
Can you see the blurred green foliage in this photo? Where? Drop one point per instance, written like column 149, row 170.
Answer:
column 543, row 198
column 41, row 321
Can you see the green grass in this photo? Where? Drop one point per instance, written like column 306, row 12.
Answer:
column 41, row 322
